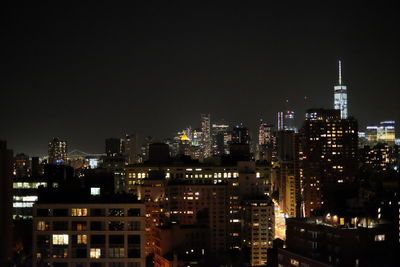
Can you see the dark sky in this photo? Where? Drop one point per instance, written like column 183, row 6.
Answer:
column 90, row 71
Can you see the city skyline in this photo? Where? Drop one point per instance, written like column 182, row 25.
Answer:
column 168, row 134
column 94, row 71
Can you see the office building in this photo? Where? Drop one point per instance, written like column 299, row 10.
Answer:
column 6, row 163
column 341, row 241
column 58, row 151
column 181, row 245
column 258, row 229
column 83, row 229
column 196, row 137
column 329, row 157
column 340, row 96
column 265, row 142
column 288, row 173
column 26, row 189
column 265, row 133
column 240, row 135
column 200, row 203
column 384, row 132
column 220, row 138
column 21, row 165
column 286, row 121
column 131, row 147
column 362, row 140
column 206, row 135
column 152, row 193
column 376, row 158
column 113, row 147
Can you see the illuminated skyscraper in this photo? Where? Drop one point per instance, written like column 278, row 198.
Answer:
column 286, row 121
column 264, row 133
column 265, row 141
column 340, row 96
column 57, row 151
column 206, row 134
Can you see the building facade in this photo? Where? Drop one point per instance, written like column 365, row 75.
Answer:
column 58, row 151
column 206, row 135
column 329, row 156
column 6, row 162
column 88, row 234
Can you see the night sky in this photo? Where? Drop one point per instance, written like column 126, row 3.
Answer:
column 91, row 71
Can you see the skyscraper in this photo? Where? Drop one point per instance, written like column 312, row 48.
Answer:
column 286, row 120
column 264, row 133
column 57, row 151
column 265, row 141
column 340, row 96
column 240, row 135
column 113, row 147
column 329, row 156
column 220, row 138
column 206, row 134
column 131, row 148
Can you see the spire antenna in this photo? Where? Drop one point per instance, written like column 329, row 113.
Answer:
column 340, row 72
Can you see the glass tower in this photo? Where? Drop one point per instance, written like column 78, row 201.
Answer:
column 340, row 96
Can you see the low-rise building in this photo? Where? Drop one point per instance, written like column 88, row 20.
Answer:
column 95, row 231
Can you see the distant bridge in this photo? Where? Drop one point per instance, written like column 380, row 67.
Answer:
column 78, row 153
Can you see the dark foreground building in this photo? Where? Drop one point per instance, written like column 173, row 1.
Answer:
column 6, row 161
column 335, row 241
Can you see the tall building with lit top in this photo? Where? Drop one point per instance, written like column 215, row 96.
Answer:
column 57, row 151
column 220, row 138
column 340, row 96
column 206, row 134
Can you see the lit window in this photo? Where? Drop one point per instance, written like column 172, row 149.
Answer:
column 294, row 262
column 29, row 198
column 42, row 226
column 81, row 239
column 95, row 253
column 379, row 238
column 95, row 191
column 81, row 227
column 60, row 239
column 79, row 212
